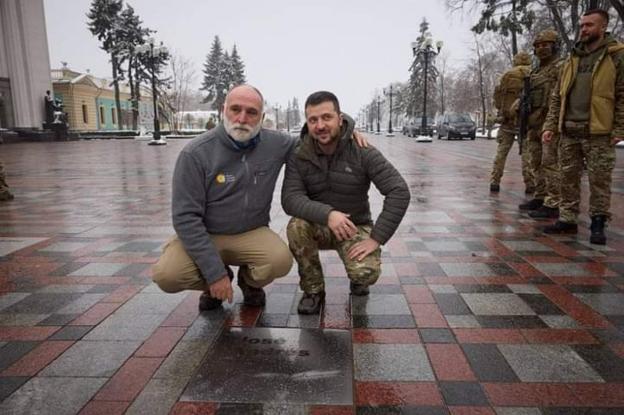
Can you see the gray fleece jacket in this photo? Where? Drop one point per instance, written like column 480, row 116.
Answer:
column 221, row 189
column 315, row 184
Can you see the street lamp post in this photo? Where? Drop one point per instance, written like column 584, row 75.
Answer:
column 153, row 52
column 378, row 104
column 276, row 108
column 389, row 134
column 427, row 52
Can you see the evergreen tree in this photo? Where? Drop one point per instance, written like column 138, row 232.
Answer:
column 414, row 102
column 215, row 80
column 296, row 112
column 508, row 17
column 237, row 67
column 104, row 22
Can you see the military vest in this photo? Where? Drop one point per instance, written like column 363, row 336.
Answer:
column 508, row 90
column 543, row 79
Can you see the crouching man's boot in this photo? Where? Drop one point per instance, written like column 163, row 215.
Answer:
column 597, row 230
column 311, row 303
column 208, row 302
column 252, row 296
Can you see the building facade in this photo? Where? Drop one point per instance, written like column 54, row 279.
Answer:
column 24, row 64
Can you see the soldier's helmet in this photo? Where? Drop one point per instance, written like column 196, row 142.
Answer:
column 547, row 35
column 521, row 58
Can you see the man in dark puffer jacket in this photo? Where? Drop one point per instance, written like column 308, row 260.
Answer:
column 326, row 191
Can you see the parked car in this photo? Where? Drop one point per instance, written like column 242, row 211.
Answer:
column 413, row 128
column 456, row 125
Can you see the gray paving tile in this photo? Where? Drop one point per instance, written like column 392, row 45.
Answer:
column 451, row 304
column 559, row 321
column 42, row 303
column 566, row 269
column 151, row 304
column 158, row 396
column 64, row 247
column 71, row 333
column 517, row 411
column 81, row 304
column 488, row 363
column 7, row 300
column 446, row 246
column 442, row 289
column 205, row 328
column 453, row 269
column 123, row 327
column 524, row 289
column 302, row 321
column 527, row 246
column 21, row 319
column 92, row 358
column 606, row 304
column 497, row 304
column 380, row 304
column 98, row 269
column 41, row 396
column 58, row 319
column 8, row 385
column 13, row 351
column 462, row 321
column 8, row 245
column 391, row 362
column 183, row 360
column 402, row 321
column 66, row 288
column 548, row 363
column 279, row 303
column 463, row 393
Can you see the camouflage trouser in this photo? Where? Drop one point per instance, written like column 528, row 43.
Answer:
column 505, row 140
column 4, row 187
column 552, row 174
column 599, row 156
column 533, row 152
column 306, row 238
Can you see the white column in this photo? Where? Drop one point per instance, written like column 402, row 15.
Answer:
column 24, row 37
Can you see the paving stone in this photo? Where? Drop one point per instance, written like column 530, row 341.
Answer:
column 157, row 398
column 65, row 288
column 151, row 304
column 123, row 327
column 41, row 396
column 563, row 269
column 13, row 351
column 463, row 393
column 8, row 299
column 488, row 363
column 98, row 269
column 64, row 247
column 467, row 270
column 379, row 304
column 38, row 303
column 451, row 304
column 9, row 384
column 607, row 304
column 517, row 411
column 81, row 304
column 548, row 363
column 391, row 362
column 183, row 360
column 92, row 358
column 71, row 333
column 497, row 304
column 21, row 319
column 559, row 321
column 462, row 321
column 383, row 322
column 437, row 336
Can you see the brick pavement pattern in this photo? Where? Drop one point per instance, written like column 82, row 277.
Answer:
column 475, row 312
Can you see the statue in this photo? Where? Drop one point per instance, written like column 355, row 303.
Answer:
column 56, row 118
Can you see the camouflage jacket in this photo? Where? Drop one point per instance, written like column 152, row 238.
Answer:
column 543, row 79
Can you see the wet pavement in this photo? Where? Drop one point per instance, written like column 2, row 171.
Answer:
column 476, row 311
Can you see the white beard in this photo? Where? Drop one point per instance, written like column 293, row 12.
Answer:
column 241, row 132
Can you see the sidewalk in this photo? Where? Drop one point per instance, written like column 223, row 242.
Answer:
column 476, row 311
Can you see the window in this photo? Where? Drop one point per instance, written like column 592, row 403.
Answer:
column 113, row 116
column 102, row 116
column 85, row 114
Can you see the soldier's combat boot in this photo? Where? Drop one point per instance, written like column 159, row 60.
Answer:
column 532, row 204
column 358, row 289
column 311, row 303
column 208, row 302
column 252, row 296
column 597, row 230
column 495, row 188
column 545, row 212
column 560, row 227
column 529, row 190
column 5, row 195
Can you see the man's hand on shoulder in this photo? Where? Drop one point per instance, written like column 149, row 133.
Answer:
column 360, row 139
column 547, row 136
column 360, row 250
column 222, row 289
column 340, row 224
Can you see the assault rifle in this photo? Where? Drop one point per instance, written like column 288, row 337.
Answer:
column 524, row 110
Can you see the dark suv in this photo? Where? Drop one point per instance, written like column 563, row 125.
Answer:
column 456, row 125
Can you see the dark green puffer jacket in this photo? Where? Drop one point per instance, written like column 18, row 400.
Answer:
column 315, row 184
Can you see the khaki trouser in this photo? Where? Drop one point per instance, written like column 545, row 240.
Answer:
column 261, row 254
column 505, row 140
column 599, row 154
column 305, row 240
column 552, row 174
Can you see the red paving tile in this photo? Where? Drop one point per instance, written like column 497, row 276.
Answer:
column 449, row 362
column 19, row 333
column 526, row 270
column 403, row 269
column 558, row 336
column 428, row 316
column 129, row 380
column 530, row 394
column 574, row 307
column 37, row 359
column 161, row 342
column 599, row 395
column 391, row 336
column 185, row 313
column 104, row 408
column 400, row 393
column 618, row 348
column 418, row 294
column 95, row 314
column 122, row 294
column 331, row 410
column 335, row 317
column 243, row 316
column 504, row 336
column 194, row 408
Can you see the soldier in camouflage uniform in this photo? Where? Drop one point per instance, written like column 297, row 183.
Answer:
column 587, row 109
column 326, row 191
column 5, row 194
column 543, row 160
column 507, row 91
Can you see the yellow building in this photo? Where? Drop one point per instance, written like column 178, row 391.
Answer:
column 90, row 102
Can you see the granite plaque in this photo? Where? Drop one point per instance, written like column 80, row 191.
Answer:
column 267, row 365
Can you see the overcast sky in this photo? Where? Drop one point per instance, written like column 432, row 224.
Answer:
column 289, row 47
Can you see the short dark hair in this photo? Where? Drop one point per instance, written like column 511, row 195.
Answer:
column 602, row 13
column 319, row 97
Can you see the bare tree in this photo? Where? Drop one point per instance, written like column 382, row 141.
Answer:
column 178, row 95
